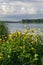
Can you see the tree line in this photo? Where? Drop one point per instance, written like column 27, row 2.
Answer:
column 32, row 21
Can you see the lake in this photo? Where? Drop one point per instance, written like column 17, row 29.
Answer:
column 20, row 26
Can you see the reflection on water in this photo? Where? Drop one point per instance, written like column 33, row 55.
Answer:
column 19, row 26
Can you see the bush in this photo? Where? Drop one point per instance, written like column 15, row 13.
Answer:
column 21, row 49
column 3, row 30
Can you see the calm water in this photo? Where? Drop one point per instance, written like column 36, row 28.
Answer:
column 19, row 26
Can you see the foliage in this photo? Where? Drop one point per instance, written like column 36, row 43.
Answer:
column 3, row 30
column 32, row 21
column 21, row 49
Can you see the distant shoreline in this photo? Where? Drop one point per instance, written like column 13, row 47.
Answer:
column 25, row 21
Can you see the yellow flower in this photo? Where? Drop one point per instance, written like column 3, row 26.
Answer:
column 0, row 39
column 19, row 33
column 1, row 56
column 26, row 36
column 10, row 36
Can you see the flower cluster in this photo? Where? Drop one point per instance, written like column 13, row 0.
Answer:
column 21, row 48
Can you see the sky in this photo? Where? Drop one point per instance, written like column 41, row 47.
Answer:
column 14, row 10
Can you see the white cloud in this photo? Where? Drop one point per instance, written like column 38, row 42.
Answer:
column 13, row 8
column 7, row 8
column 18, row 8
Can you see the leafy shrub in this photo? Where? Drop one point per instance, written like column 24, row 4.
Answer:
column 21, row 49
column 3, row 29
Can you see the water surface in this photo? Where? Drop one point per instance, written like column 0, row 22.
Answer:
column 20, row 26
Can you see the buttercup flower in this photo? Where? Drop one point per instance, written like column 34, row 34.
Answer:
column 26, row 36
column 19, row 33
column 10, row 36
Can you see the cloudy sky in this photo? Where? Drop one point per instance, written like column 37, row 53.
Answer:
column 21, row 9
